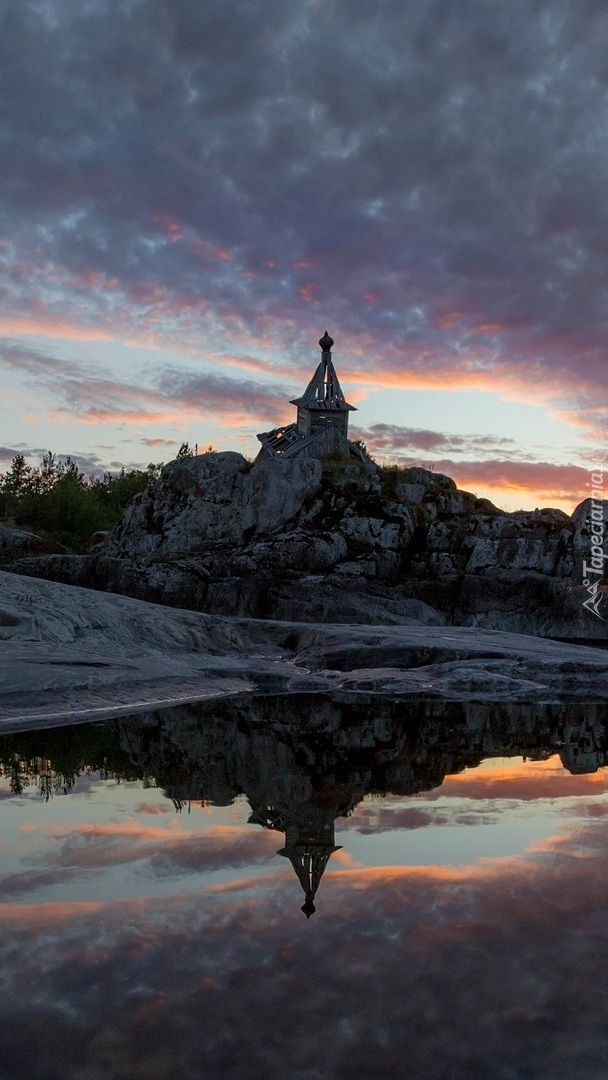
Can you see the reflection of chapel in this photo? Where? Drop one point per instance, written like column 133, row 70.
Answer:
column 309, row 844
column 321, row 426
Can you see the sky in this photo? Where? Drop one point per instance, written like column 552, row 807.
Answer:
column 191, row 193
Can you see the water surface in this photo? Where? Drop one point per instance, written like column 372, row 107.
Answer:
column 300, row 888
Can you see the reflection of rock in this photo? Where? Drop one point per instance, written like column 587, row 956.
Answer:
column 584, row 746
column 305, row 762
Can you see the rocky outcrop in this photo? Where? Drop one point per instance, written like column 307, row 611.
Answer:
column 70, row 653
column 16, row 542
column 215, row 499
column 340, row 540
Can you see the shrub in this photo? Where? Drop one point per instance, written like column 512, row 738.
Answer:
column 390, row 478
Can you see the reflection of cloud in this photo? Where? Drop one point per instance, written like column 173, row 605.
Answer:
column 494, row 790
column 492, row 970
column 530, row 781
column 32, row 881
column 368, row 820
column 161, row 852
column 155, row 809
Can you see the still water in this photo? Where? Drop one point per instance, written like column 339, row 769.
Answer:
column 300, row 888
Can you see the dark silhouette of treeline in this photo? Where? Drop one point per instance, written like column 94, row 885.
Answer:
column 59, row 502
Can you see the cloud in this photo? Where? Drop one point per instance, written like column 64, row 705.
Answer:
column 76, row 390
column 389, row 438
column 7, row 454
column 170, row 393
column 563, row 483
column 475, row 461
column 161, row 853
column 90, row 464
column 507, row 476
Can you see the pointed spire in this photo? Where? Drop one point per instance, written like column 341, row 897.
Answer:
column 324, row 392
column 321, row 426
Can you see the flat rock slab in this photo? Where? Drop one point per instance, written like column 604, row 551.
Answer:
column 69, row 653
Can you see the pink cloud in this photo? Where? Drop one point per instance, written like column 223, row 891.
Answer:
column 49, row 327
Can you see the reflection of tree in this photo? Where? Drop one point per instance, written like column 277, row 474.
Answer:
column 302, row 762
column 52, row 760
column 18, row 772
column 37, row 771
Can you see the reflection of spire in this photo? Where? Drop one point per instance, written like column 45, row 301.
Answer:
column 309, row 848
column 309, row 839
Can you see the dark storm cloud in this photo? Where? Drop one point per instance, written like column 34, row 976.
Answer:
column 7, row 454
column 389, row 438
column 430, row 174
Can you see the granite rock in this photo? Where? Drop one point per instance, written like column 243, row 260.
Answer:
column 219, row 534
column 15, row 542
column 74, row 653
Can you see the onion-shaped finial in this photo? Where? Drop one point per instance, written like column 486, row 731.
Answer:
column 326, row 342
